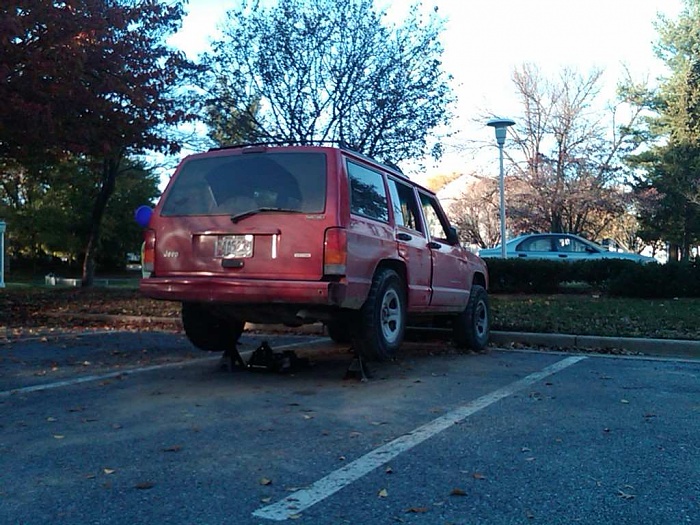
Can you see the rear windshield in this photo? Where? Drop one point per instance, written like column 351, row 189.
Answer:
column 245, row 182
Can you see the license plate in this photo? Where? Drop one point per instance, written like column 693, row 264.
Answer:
column 234, row 246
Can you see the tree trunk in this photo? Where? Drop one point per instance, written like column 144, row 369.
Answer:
column 109, row 176
column 673, row 251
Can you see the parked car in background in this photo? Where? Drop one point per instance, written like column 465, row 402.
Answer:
column 559, row 246
column 302, row 234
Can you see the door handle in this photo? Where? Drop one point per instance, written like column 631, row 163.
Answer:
column 434, row 245
column 403, row 236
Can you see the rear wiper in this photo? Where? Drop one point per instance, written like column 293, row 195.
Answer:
column 240, row 216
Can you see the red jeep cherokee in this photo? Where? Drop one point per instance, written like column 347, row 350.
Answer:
column 301, row 234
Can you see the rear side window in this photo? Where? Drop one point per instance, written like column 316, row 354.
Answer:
column 367, row 193
column 294, row 181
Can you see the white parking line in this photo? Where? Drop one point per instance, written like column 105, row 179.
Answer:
column 300, row 500
column 131, row 371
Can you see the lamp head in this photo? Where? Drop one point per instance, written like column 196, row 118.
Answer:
column 501, row 126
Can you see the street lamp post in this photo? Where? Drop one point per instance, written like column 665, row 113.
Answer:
column 501, row 126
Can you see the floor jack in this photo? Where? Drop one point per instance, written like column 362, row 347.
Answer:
column 263, row 359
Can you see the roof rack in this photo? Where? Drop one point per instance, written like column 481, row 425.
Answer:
column 339, row 143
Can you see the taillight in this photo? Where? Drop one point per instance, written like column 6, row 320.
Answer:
column 335, row 251
column 148, row 252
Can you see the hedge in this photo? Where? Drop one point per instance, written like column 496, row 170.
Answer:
column 613, row 277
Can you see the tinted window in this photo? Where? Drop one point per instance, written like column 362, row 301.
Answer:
column 239, row 183
column 406, row 211
column 367, row 193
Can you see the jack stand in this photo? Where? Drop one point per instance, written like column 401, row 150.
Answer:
column 231, row 359
column 358, row 368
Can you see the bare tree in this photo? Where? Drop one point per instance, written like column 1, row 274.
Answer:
column 567, row 159
column 311, row 70
column 475, row 213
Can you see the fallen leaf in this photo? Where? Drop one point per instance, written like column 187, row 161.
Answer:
column 108, row 471
column 58, row 436
column 458, row 492
column 266, row 500
column 145, row 485
column 624, row 401
column 307, row 416
column 417, row 510
column 478, row 475
column 294, row 516
column 624, row 495
column 389, row 470
column 51, row 419
column 265, row 481
column 382, row 493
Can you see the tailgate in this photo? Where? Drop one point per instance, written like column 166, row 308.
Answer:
column 265, row 246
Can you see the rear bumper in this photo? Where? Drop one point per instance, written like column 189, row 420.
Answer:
column 232, row 291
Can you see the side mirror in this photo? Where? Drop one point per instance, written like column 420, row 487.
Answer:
column 142, row 215
column 452, row 236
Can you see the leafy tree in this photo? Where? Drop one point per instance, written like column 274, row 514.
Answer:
column 92, row 78
column 53, row 219
column 668, row 182
column 314, row 70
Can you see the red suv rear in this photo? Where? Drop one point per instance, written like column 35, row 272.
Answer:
column 301, row 234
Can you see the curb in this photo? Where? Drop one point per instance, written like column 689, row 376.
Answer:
column 651, row 347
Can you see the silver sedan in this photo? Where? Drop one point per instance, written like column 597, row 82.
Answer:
column 559, row 246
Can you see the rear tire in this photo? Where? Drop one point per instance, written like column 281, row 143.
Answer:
column 472, row 327
column 340, row 329
column 382, row 318
column 208, row 331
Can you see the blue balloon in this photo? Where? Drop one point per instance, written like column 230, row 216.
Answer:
column 143, row 215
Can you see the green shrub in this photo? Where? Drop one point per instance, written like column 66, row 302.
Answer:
column 674, row 279
column 526, row 276
column 614, row 277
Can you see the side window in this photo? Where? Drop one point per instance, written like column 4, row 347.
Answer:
column 536, row 244
column 567, row 244
column 406, row 211
column 436, row 222
column 367, row 193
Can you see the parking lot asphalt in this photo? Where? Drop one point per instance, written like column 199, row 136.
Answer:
column 128, row 427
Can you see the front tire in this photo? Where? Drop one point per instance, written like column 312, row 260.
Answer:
column 382, row 318
column 472, row 327
column 208, row 331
